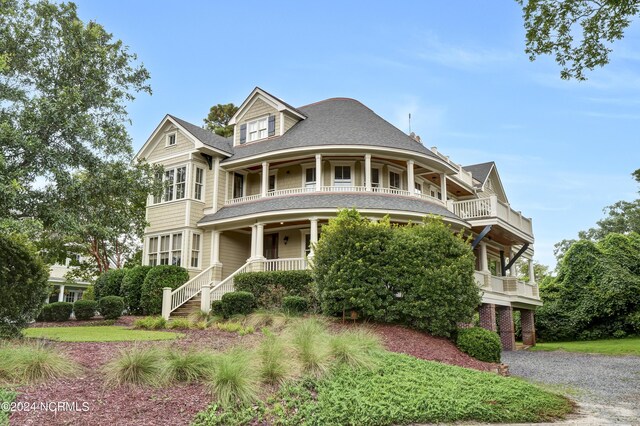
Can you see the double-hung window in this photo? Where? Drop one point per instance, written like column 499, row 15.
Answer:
column 238, row 185
column 165, row 250
column 181, row 182
column 175, row 181
column 272, row 183
column 310, row 178
column 176, row 249
column 342, row 176
column 169, row 185
column 394, row 180
column 171, row 139
column 197, row 190
column 375, row 178
column 153, row 251
column 418, row 188
column 195, row 250
column 257, row 129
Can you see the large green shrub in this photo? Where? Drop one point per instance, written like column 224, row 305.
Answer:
column 271, row 287
column 109, row 283
column 295, row 305
column 23, row 286
column 595, row 293
column 111, row 307
column 481, row 344
column 131, row 287
column 89, row 294
column 157, row 278
column 237, row 302
column 85, row 309
column 58, row 311
column 419, row 275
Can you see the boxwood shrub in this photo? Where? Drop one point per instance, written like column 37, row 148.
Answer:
column 295, row 305
column 131, row 288
column 271, row 287
column 85, row 309
column 157, row 278
column 58, row 311
column 237, row 302
column 216, row 307
column 111, row 307
column 481, row 344
column 109, row 283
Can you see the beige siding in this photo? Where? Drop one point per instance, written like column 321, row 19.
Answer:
column 222, row 184
column 357, row 174
column 235, row 249
column 259, row 109
column 254, row 183
column 327, row 172
column 289, row 177
column 205, row 253
column 208, row 188
column 197, row 212
column 160, row 150
column 289, row 122
column 293, row 247
column 166, row 216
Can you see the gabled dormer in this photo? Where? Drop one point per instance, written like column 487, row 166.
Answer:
column 487, row 180
column 263, row 116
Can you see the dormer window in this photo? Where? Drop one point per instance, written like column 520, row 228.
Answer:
column 257, row 129
column 171, row 139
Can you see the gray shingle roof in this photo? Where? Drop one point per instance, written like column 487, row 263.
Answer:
column 480, row 172
column 336, row 121
column 207, row 137
column 316, row 201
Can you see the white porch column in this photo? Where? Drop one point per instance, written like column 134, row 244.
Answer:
column 259, row 241
column 318, row 171
column 216, row 183
column 313, row 234
column 215, row 248
column 367, row 171
column 205, row 298
column 265, row 178
column 443, row 187
column 254, row 238
column 512, row 270
column 61, row 294
column 484, row 260
column 411, row 185
column 166, row 302
column 532, row 275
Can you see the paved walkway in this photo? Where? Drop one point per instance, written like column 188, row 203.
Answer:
column 606, row 388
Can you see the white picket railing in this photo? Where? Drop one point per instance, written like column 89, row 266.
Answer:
column 190, row 289
column 480, row 207
column 292, row 264
column 343, row 189
column 226, row 285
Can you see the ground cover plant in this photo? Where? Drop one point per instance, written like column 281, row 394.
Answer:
column 7, row 396
column 97, row 334
column 32, row 363
column 627, row 346
column 480, row 343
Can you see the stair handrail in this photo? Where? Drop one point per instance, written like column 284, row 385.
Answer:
column 190, row 289
column 226, row 285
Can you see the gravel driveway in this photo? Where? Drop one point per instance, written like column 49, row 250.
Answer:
column 607, row 388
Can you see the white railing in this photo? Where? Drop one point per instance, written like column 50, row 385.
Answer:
column 226, row 285
column 190, row 289
column 243, row 199
column 289, row 191
column 491, row 207
column 392, row 191
column 292, row 264
column 343, row 188
column 481, row 207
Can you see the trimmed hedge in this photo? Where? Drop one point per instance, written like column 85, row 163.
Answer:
column 58, row 311
column 483, row 345
column 216, row 307
column 109, row 283
column 237, row 302
column 111, row 307
column 295, row 305
column 157, row 278
column 271, row 287
column 85, row 309
column 131, row 288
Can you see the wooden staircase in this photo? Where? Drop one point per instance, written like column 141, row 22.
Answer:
column 189, row 307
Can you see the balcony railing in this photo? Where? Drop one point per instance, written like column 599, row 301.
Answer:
column 331, row 189
column 491, row 207
column 507, row 285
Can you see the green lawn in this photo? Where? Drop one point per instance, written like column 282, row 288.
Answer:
column 629, row 346
column 6, row 397
column 98, row 334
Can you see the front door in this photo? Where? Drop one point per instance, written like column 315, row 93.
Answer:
column 271, row 246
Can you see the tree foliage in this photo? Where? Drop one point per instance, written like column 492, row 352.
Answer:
column 419, row 275
column 23, row 286
column 218, row 119
column 551, row 27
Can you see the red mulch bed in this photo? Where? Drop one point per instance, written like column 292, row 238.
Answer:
column 124, row 321
column 397, row 338
column 175, row 405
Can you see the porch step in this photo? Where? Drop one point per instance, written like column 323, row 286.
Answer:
column 188, row 308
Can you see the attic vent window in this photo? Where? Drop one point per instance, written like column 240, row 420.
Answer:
column 171, row 139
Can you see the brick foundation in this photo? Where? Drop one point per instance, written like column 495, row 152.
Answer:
column 528, row 327
column 488, row 316
column 507, row 334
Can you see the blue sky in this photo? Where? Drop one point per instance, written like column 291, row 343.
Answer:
column 564, row 150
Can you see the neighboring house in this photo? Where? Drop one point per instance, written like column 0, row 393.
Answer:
column 64, row 290
column 257, row 200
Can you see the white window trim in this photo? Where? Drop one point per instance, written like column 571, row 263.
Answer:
column 244, row 182
column 379, row 167
column 175, row 175
column 351, row 164
column 199, row 267
column 159, row 236
column 256, row 120
column 204, row 182
column 275, row 181
column 311, row 185
column 167, row 137
column 421, row 182
column 391, row 169
column 303, row 236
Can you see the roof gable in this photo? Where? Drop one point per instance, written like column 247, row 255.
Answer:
column 268, row 98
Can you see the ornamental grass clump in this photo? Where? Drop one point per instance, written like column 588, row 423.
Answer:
column 277, row 362
column 181, row 323
column 310, row 339
column 33, row 363
column 355, row 348
column 189, row 366
column 136, row 366
column 150, row 323
column 232, row 379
